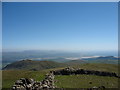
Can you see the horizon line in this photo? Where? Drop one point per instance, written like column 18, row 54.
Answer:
column 59, row 0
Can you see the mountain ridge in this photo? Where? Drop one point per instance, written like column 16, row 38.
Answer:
column 32, row 65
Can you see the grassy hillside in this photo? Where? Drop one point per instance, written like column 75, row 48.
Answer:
column 32, row 65
column 107, row 61
column 83, row 81
column 75, row 62
column 10, row 76
column 98, row 67
column 101, row 59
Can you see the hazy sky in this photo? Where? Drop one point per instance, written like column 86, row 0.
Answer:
column 60, row 26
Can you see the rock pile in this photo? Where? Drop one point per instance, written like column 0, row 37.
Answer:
column 48, row 82
column 31, row 84
column 97, row 88
column 71, row 71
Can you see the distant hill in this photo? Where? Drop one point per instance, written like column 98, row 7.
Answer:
column 76, row 62
column 59, row 62
column 102, row 59
column 32, row 65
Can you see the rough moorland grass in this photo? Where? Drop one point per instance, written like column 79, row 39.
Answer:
column 99, row 67
column 93, row 66
column 83, row 81
column 9, row 77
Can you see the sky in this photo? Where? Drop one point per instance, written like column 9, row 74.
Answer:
column 83, row 26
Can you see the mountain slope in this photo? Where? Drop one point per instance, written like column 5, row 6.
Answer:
column 101, row 59
column 75, row 62
column 70, row 81
column 32, row 65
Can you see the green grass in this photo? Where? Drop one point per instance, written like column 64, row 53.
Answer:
column 82, row 81
column 99, row 67
column 9, row 77
column 33, row 65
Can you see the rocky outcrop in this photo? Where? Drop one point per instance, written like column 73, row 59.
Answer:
column 31, row 84
column 72, row 71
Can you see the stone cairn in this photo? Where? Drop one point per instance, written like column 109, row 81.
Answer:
column 48, row 82
column 31, row 84
column 72, row 71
